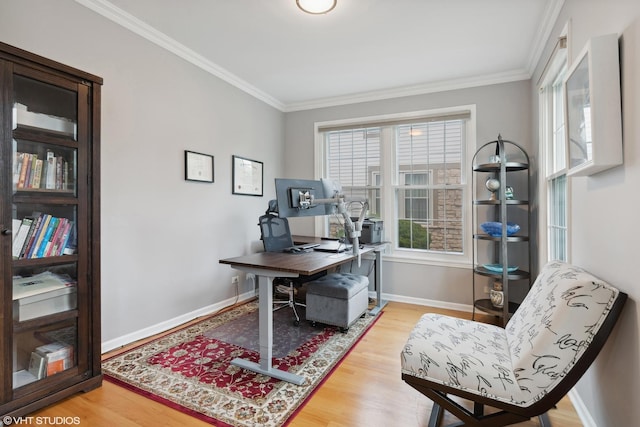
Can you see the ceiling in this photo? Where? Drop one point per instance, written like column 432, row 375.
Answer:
column 362, row 50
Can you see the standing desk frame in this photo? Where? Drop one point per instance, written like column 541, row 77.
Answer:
column 268, row 265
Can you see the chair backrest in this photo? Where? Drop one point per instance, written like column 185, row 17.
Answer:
column 559, row 329
column 275, row 233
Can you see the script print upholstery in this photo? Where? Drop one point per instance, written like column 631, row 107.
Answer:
column 519, row 364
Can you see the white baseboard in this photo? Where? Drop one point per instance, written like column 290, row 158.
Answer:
column 581, row 409
column 171, row 323
column 426, row 302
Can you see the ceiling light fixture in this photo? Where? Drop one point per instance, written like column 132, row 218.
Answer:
column 316, row 7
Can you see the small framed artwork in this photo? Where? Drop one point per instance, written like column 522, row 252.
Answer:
column 247, row 176
column 198, row 166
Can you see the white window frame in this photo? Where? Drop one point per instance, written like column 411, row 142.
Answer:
column 388, row 211
column 429, row 196
column 548, row 171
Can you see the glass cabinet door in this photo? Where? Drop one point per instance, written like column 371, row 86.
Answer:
column 47, row 269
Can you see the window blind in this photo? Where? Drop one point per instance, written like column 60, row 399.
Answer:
column 393, row 121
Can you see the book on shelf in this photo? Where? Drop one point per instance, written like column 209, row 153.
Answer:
column 58, row 356
column 43, row 235
column 33, row 234
column 15, row 227
column 59, row 161
column 51, row 226
column 50, row 182
column 21, row 236
column 37, row 174
column 27, row 178
column 17, row 166
column 55, row 237
column 42, row 229
column 64, row 239
column 50, row 173
column 38, row 365
column 23, row 170
column 71, row 245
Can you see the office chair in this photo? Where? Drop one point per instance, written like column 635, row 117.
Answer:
column 276, row 236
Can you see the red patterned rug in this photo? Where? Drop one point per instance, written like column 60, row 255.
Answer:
column 190, row 369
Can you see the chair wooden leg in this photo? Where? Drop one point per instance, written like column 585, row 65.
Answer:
column 468, row 418
column 478, row 409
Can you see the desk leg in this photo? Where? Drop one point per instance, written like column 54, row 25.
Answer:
column 378, row 284
column 265, row 308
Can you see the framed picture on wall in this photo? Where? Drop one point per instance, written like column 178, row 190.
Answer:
column 247, row 176
column 198, row 166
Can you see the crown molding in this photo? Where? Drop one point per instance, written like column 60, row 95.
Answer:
column 133, row 24
column 441, row 86
column 549, row 19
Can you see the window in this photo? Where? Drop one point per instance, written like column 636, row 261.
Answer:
column 412, row 171
column 429, row 194
column 353, row 159
column 417, row 203
column 553, row 153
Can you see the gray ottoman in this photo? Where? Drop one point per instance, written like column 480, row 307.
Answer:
column 337, row 299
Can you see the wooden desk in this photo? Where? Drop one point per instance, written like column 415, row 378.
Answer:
column 266, row 266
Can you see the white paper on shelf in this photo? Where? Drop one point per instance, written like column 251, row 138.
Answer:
column 21, row 116
column 33, row 285
column 44, row 304
column 22, row 377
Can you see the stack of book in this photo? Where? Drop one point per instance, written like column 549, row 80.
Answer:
column 43, row 235
column 49, row 173
column 42, row 294
column 26, row 118
column 49, row 359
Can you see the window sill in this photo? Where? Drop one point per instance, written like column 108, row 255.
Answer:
column 410, row 257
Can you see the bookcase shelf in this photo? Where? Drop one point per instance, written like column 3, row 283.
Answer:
column 31, row 324
column 500, row 173
column 50, row 231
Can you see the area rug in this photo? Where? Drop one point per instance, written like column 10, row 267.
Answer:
column 190, row 369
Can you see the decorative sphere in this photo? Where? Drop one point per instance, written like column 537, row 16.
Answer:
column 492, row 184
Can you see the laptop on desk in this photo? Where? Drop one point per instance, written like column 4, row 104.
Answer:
column 333, row 246
column 301, row 247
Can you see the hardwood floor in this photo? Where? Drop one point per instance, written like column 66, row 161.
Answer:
column 365, row 390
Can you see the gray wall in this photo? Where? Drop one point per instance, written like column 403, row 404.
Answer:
column 162, row 236
column 501, row 109
column 603, row 224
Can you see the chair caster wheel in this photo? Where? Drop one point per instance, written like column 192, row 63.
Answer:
column 296, row 323
column 314, row 324
column 344, row 330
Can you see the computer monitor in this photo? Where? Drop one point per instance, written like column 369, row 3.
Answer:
column 288, row 196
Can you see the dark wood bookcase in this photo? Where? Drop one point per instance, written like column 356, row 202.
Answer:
column 49, row 231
